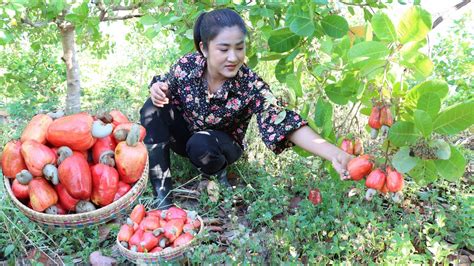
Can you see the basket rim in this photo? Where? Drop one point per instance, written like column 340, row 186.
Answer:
column 60, row 219
column 162, row 254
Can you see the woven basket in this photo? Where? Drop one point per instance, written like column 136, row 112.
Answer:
column 116, row 209
column 163, row 256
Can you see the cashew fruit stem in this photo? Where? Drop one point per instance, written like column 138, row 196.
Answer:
column 133, row 135
column 163, row 242
column 24, row 177
column 105, row 117
column 56, row 115
column 63, row 152
column 107, row 158
column 101, row 130
column 121, row 134
column 50, row 172
column 369, row 195
column 84, row 206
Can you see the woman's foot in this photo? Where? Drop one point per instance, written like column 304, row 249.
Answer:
column 222, row 178
column 162, row 193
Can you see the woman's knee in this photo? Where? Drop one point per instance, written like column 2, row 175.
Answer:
column 150, row 113
column 153, row 119
column 203, row 151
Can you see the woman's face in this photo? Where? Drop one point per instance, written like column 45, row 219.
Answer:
column 226, row 53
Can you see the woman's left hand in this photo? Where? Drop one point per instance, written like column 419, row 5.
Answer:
column 339, row 162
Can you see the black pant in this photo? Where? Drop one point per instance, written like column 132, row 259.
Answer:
column 209, row 150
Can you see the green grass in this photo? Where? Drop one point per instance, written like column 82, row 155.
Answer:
column 432, row 223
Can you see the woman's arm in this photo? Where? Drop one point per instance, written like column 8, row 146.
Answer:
column 307, row 139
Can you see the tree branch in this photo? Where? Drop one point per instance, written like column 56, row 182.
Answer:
column 458, row 6
column 353, row 4
column 122, row 17
column 125, row 8
column 36, row 24
column 100, row 5
column 104, row 11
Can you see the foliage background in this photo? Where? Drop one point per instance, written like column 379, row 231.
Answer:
column 434, row 223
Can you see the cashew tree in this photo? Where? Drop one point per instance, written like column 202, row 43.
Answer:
column 70, row 23
column 349, row 57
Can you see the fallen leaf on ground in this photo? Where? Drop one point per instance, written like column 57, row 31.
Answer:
column 294, row 202
column 39, row 256
column 213, row 191
column 97, row 259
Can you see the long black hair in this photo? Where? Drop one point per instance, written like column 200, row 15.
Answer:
column 209, row 24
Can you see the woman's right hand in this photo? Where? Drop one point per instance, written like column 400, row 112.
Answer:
column 159, row 93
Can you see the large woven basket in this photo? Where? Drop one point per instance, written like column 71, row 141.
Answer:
column 159, row 257
column 116, row 209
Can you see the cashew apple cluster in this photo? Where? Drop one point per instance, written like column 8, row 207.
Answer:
column 381, row 179
column 75, row 163
column 380, row 119
column 158, row 230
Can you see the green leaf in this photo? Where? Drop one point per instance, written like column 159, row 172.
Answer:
column 367, row 14
column 424, row 173
column 283, row 69
column 270, row 56
column 430, row 103
column 326, row 45
column 292, row 55
column 414, row 25
column 302, row 26
column 281, row 116
column 301, row 152
column 442, row 149
column 151, row 32
column 300, row 69
column 453, row 168
column 320, row 70
column 455, row 119
column 5, row 37
column 168, row 19
column 335, row 26
column 438, row 87
column 73, row 18
column 265, row 12
column 323, row 112
column 321, row 2
column 53, row 8
column 373, row 68
column 148, row 20
column 383, row 27
column 423, row 122
column 336, row 94
column 283, row 40
column 186, row 45
column 370, row 49
column 402, row 133
column 402, row 160
column 304, row 112
column 292, row 12
column 409, row 50
column 420, row 64
column 9, row 249
column 294, row 83
column 253, row 61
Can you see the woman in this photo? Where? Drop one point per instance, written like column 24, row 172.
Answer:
column 202, row 107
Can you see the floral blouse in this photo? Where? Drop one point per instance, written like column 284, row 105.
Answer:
column 232, row 106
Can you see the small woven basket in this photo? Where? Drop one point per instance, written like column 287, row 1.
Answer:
column 116, row 209
column 163, row 256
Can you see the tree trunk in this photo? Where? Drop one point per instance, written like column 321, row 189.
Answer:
column 73, row 98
